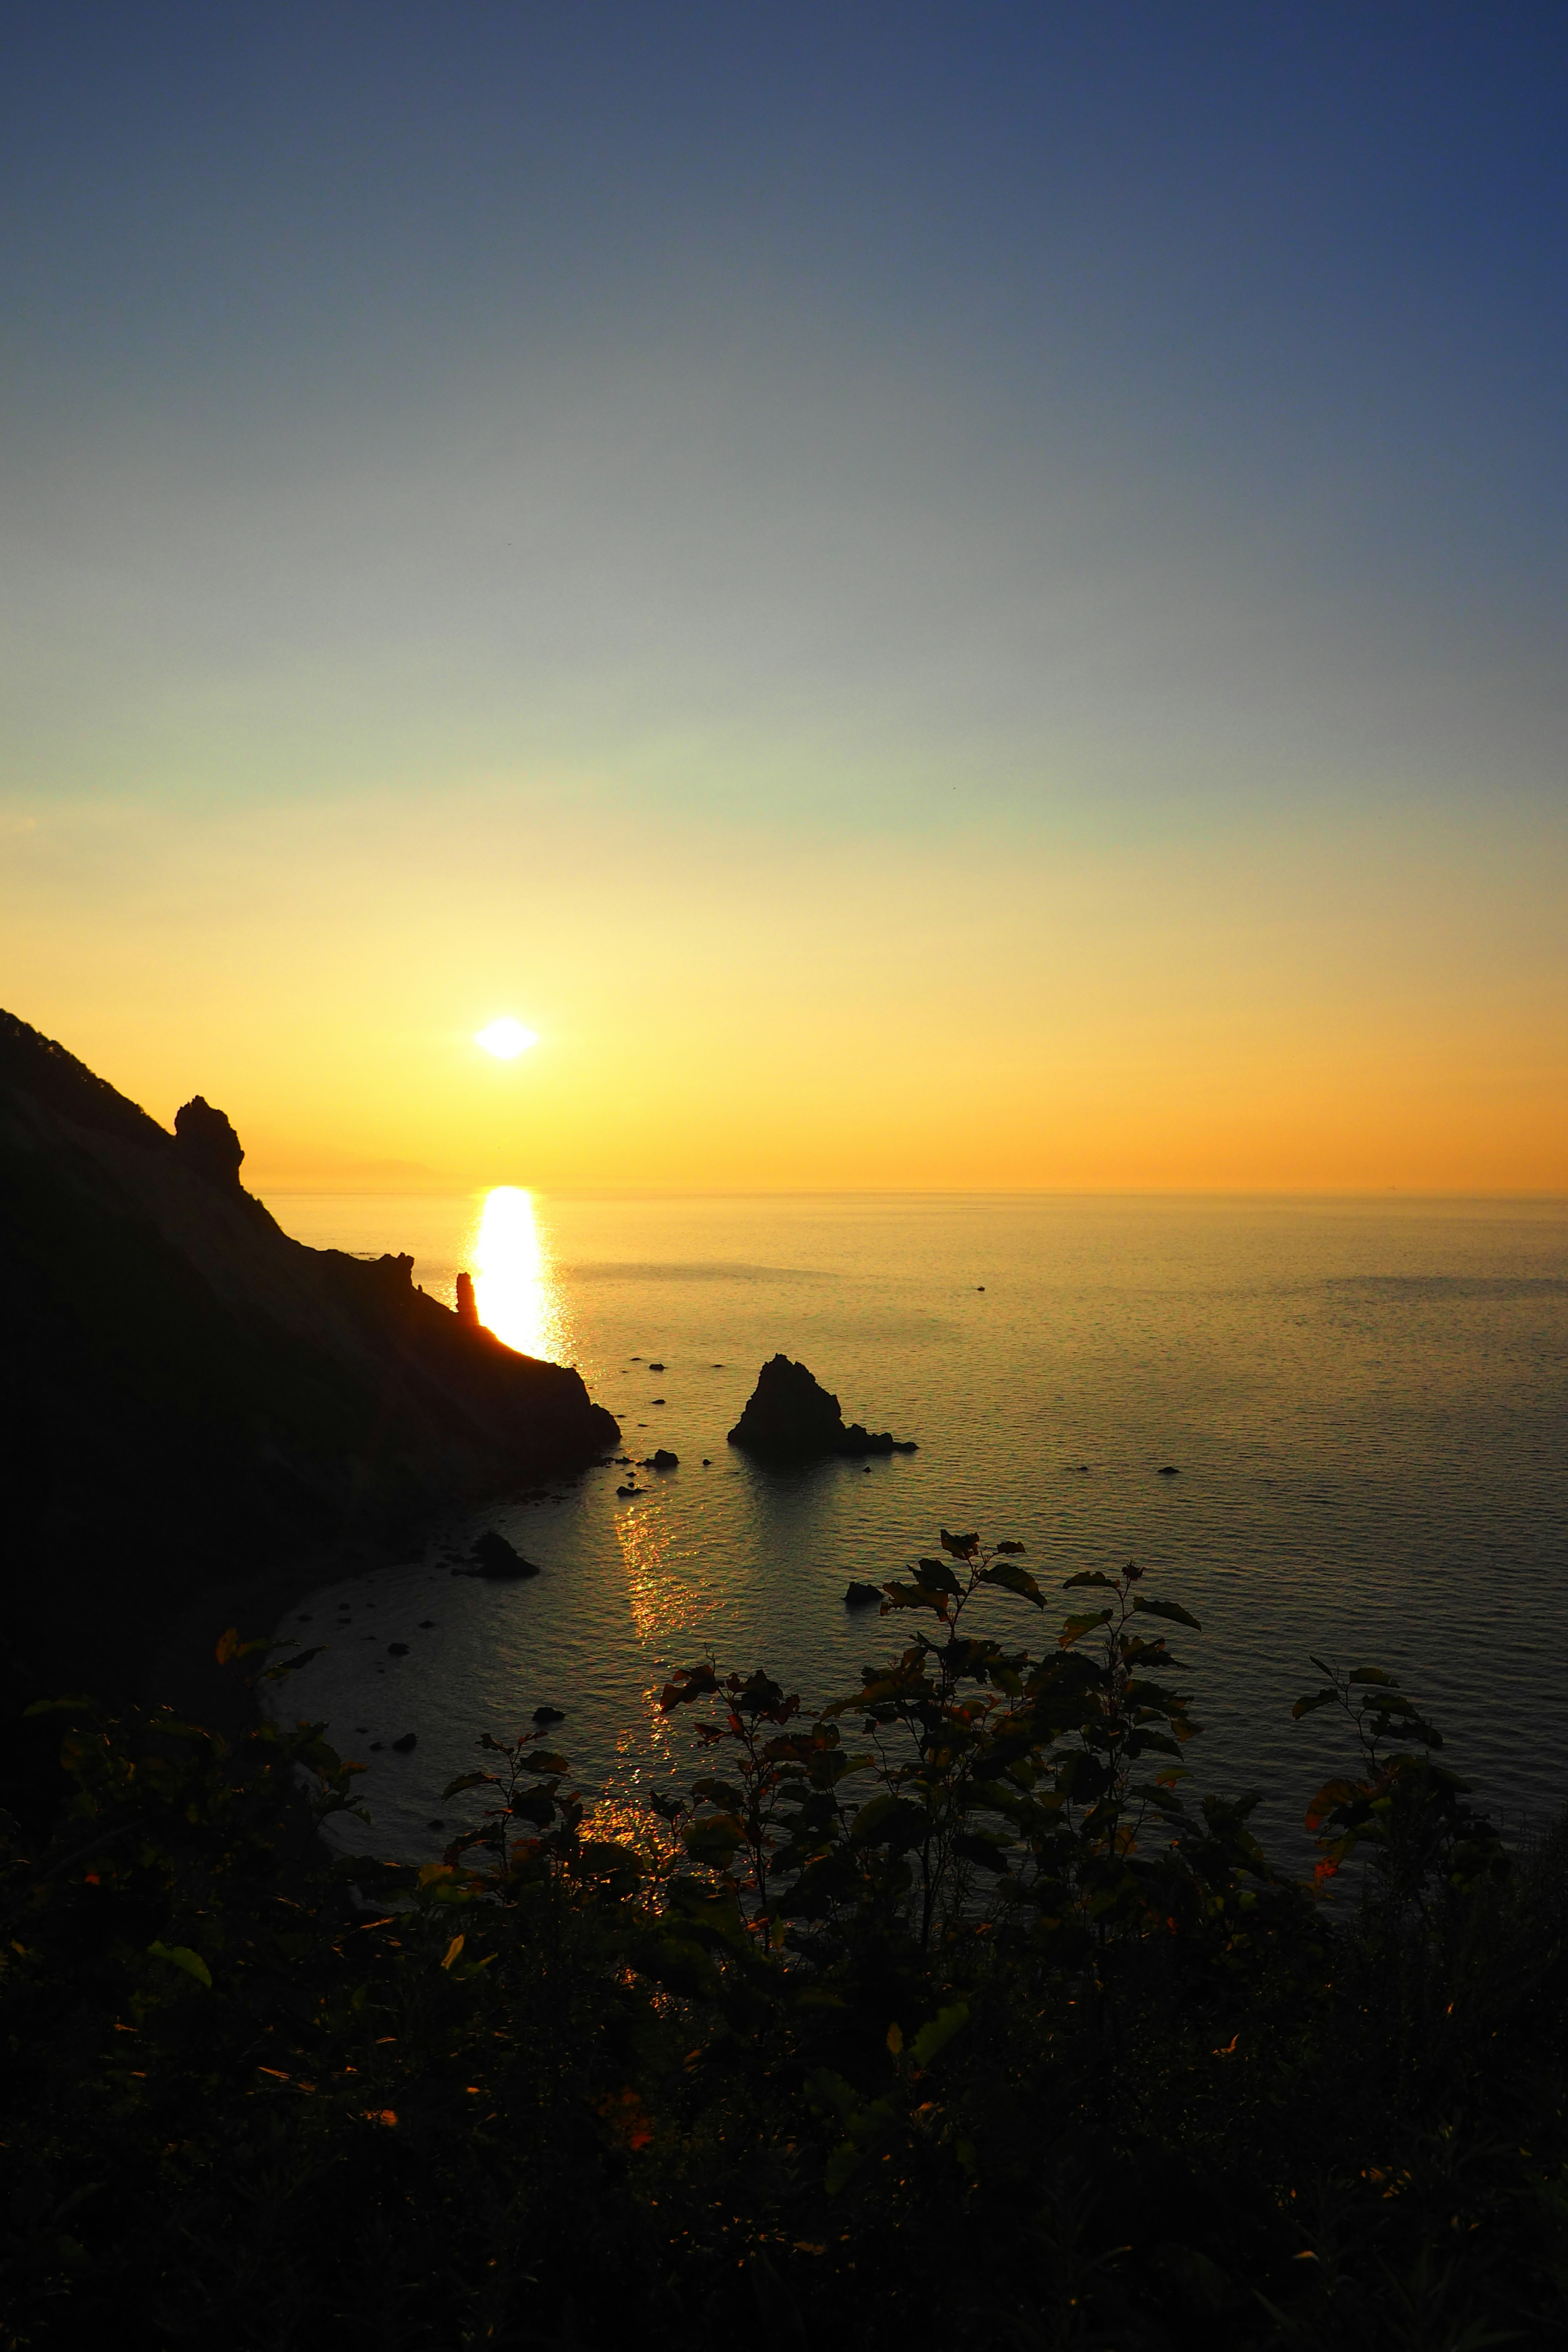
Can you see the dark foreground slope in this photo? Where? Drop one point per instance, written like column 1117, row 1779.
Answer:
column 186, row 1392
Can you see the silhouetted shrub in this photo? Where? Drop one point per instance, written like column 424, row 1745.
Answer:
column 942, row 2013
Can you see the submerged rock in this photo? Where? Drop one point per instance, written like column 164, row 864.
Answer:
column 407, row 1745
column 494, row 1557
column 791, row 1417
column 860, row 1596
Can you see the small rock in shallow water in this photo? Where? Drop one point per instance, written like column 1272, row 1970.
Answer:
column 494, row 1557
column 376, row 1748
column 405, row 1745
column 860, row 1596
column 426, row 1624
column 653, row 1367
column 1168, row 1470
column 397, row 1649
column 549, row 1714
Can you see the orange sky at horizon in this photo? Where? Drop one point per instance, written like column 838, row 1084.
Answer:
column 981, row 611
column 724, row 1008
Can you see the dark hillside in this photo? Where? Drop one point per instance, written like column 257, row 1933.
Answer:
column 186, row 1391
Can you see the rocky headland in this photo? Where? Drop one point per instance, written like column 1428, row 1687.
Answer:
column 190, row 1398
column 791, row 1417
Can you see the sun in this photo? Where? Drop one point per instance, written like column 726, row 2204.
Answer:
column 506, row 1039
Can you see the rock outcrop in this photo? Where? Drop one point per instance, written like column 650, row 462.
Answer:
column 499, row 1561
column 208, row 1146
column 187, row 1395
column 791, row 1417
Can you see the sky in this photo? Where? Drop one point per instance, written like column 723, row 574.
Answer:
column 949, row 596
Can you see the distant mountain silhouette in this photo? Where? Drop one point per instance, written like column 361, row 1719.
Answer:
column 186, row 1393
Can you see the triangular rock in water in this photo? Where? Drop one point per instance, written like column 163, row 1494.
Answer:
column 494, row 1557
column 791, row 1417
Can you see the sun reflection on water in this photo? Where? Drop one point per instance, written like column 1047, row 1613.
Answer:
column 515, row 1287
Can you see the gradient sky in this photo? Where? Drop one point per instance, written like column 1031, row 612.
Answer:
column 961, row 595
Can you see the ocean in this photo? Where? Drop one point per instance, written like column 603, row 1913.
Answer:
column 1365, row 1402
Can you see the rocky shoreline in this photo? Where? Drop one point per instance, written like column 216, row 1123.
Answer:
column 193, row 1404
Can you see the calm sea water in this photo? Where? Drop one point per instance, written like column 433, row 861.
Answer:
column 1366, row 1403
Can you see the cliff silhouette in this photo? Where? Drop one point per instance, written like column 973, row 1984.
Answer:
column 188, row 1395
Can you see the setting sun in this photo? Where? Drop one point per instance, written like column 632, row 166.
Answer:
column 506, row 1039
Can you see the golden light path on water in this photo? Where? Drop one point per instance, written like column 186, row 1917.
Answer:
column 670, row 1612
column 515, row 1287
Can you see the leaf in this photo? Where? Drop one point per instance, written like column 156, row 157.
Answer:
column 935, row 1576
column 1331, row 1794
column 1012, row 1579
column 182, row 1957
column 679, row 1965
column 914, row 1596
column 718, row 1792
column 888, row 1821
column 939, row 2031
column 453, row 1948
column 469, row 1780
column 1171, row 1609
column 984, row 1851
column 1313, row 1700
column 690, row 1682
column 230, row 1646
column 1088, row 1576
column 542, row 1759
column 613, row 1865
column 1077, row 1627
column 961, row 1547
column 288, row 1666
column 713, row 1839
column 1369, row 1674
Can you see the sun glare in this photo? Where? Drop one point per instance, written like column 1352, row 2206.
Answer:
column 506, row 1039
column 514, row 1288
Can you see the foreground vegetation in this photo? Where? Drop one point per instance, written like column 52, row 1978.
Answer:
column 941, row 2016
